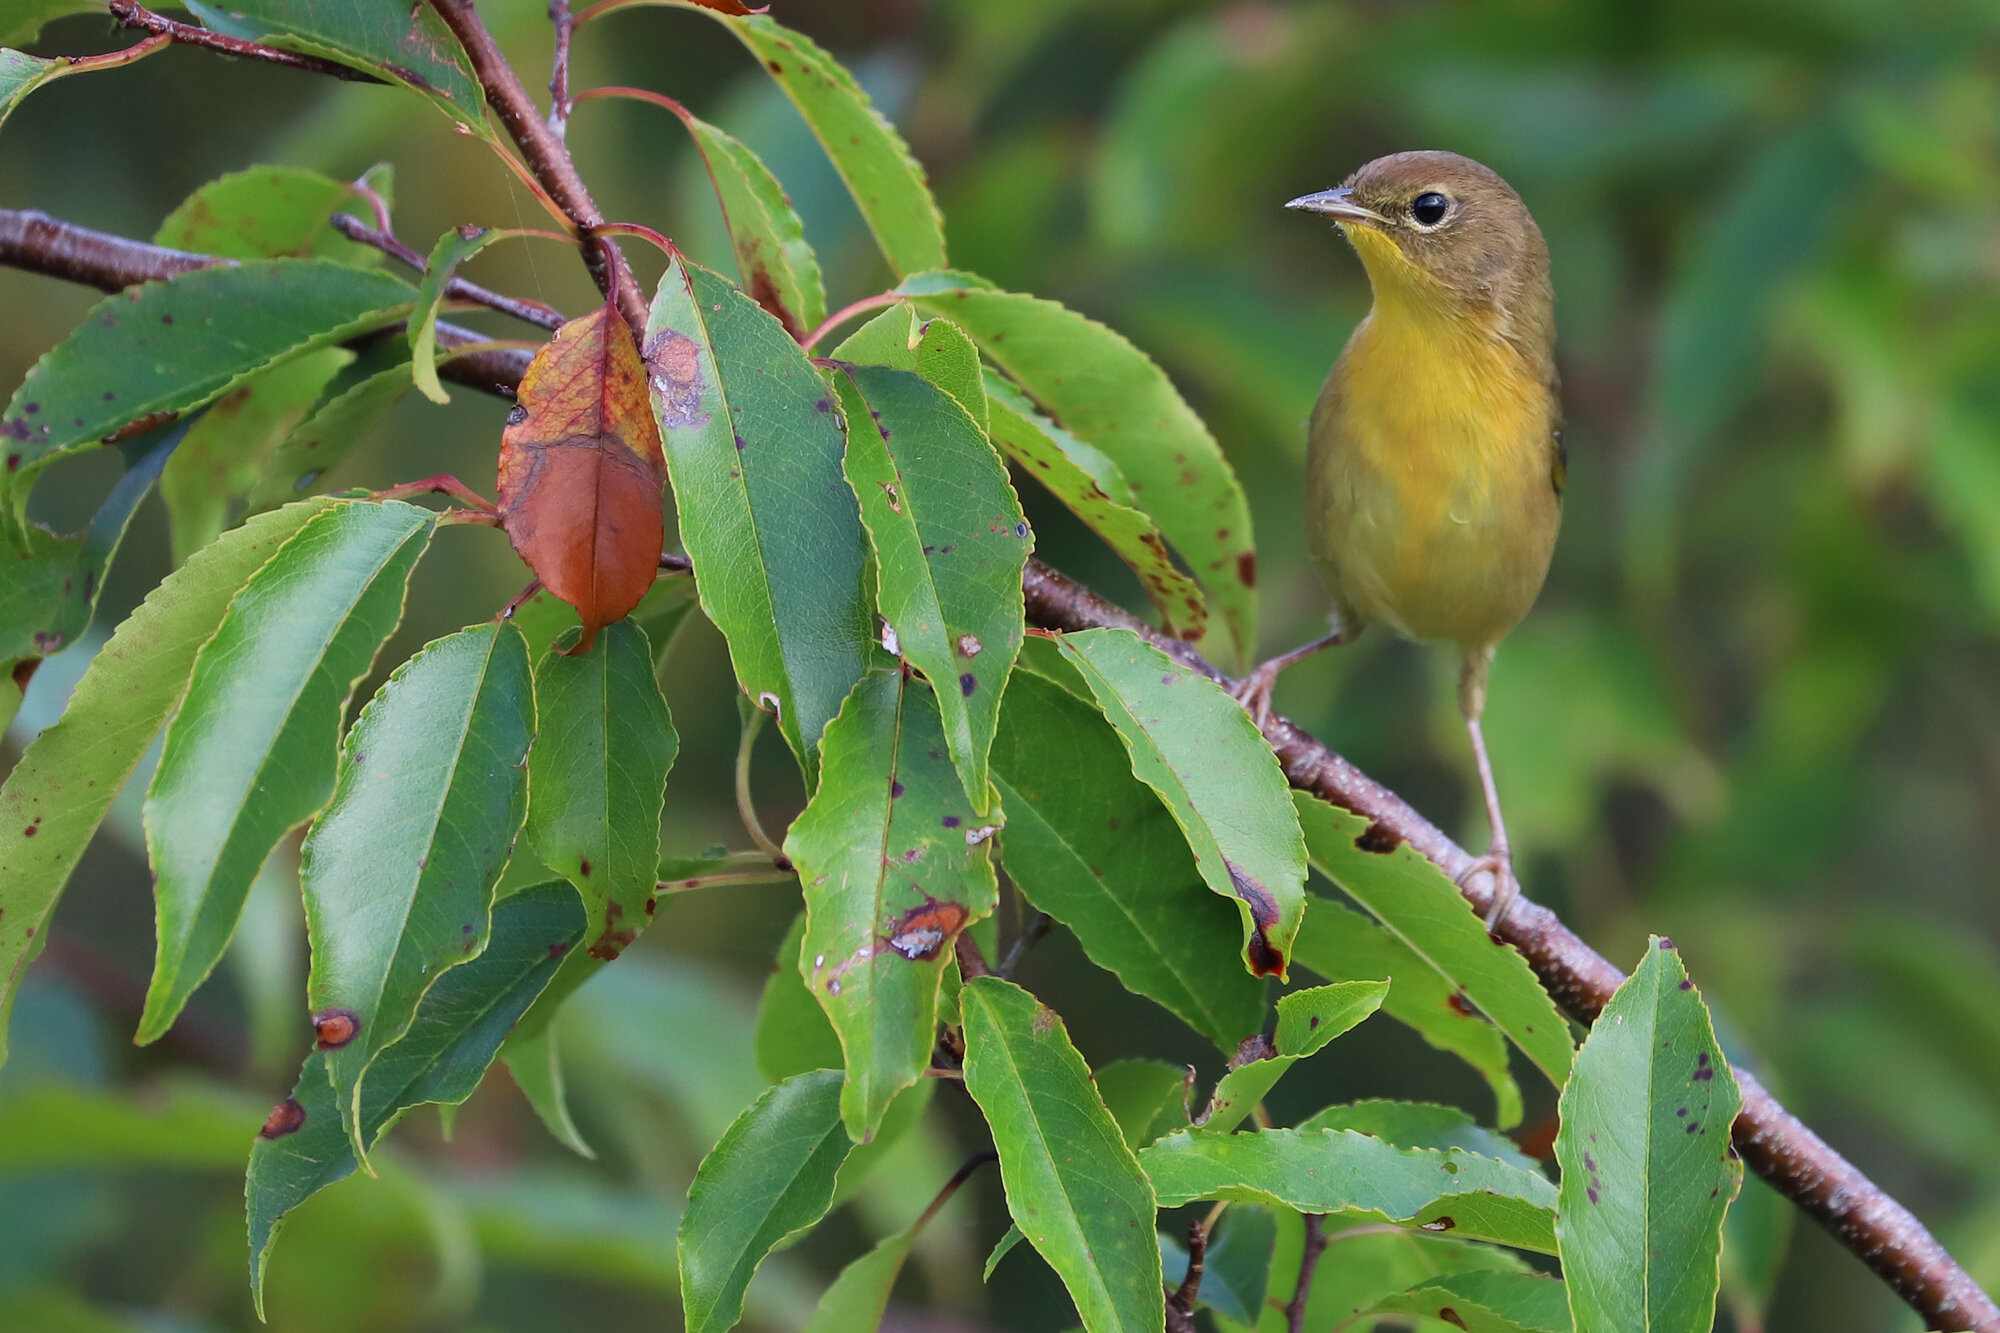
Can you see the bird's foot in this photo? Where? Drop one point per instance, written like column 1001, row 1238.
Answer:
column 1499, row 863
column 1254, row 691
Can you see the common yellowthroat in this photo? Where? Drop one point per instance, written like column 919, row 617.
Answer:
column 1434, row 472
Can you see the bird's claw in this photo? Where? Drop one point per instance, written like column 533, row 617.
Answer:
column 1254, row 692
column 1500, row 864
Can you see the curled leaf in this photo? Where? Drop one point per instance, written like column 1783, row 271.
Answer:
column 581, row 471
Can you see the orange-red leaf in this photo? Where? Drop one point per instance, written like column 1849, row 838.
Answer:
column 581, row 471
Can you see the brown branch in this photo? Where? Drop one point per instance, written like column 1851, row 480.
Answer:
column 547, row 158
column 1180, row 1301
column 1295, row 1309
column 559, row 101
column 132, row 14
column 1772, row 1141
column 39, row 243
column 458, row 289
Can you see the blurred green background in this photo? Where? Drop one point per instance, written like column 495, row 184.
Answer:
column 1756, row 708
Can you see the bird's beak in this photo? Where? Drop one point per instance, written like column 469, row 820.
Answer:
column 1338, row 205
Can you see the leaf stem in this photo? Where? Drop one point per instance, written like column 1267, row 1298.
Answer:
column 114, row 59
column 746, row 809
column 847, row 312
column 771, row 875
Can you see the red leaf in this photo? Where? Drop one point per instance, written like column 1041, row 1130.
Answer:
column 581, row 471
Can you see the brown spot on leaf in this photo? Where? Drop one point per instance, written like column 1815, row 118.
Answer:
column 922, row 933
column 673, row 365
column 1703, row 1071
column 287, row 1117
column 1246, row 569
column 583, row 866
column 1459, row 1004
column 151, row 421
column 334, row 1028
column 612, row 940
column 1379, row 838
column 1450, row 1316
column 1439, row 1224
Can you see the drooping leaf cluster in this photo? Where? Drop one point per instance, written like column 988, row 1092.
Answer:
column 485, row 830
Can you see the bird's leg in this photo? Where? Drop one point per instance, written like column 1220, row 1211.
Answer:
column 1499, row 859
column 1254, row 690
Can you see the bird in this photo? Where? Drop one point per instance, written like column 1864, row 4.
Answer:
column 1435, row 460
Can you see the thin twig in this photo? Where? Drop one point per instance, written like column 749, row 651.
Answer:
column 1026, row 940
column 951, row 1187
column 39, row 243
column 458, row 289
column 132, row 14
column 1180, row 1301
column 559, row 103
column 547, row 158
column 1772, row 1141
column 1295, row 1309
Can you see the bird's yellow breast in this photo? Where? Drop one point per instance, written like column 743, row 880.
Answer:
column 1431, row 506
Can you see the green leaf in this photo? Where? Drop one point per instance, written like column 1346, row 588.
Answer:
column 1108, row 392
column 21, row 74
column 384, row 37
column 936, row 349
column 251, row 755
column 398, row 873
column 1341, row 944
column 457, row 245
column 1307, row 1021
column 266, row 212
column 887, row 183
column 331, row 431
column 1420, row 1125
column 226, row 451
column 598, row 773
column 1425, row 911
column 1486, row 1303
column 25, row 18
column 451, row 1041
column 770, row 1178
column 59, row 791
column 773, row 262
column 894, row 864
column 1335, row 1171
column 1073, row 1186
column 1198, row 749
column 49, row 596
column 535, row 1063
column 1092, row 846
column 1001, row 1249
column 793, row 1035
column 771, row 527
column 1647, row 1166
column 1077, row 474
column 859, row 1297
column 1370, row 1265
column 950, row 545
column 1146, row 1097
column 161, row 348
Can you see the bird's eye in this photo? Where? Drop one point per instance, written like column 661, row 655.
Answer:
column 1428, row 209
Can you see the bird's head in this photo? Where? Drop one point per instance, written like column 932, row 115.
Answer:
column 1430, row 223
